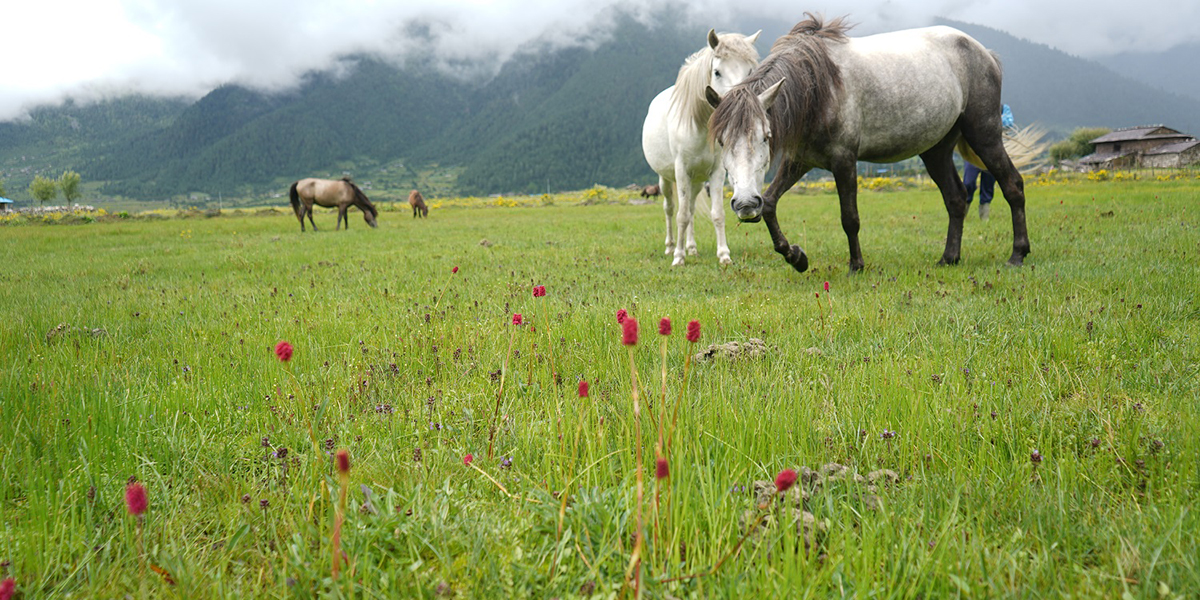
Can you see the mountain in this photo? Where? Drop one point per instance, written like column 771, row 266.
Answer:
column 549, row 119
column 1175, row 70
column 1063, row 91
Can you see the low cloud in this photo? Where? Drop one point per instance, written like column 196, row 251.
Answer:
column 188, row 47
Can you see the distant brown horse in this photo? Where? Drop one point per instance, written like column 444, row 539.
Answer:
column 418, row 204
column 330, row 193
column 651, row 191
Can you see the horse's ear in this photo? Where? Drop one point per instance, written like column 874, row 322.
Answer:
column 754, row 38
column 768, row 96
column 714, row 99
column 713, row 41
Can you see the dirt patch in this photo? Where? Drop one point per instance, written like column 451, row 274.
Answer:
column 770, row 507
column 735, row 350
column 63, row 330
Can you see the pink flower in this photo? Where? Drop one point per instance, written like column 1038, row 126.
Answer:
column 454, row 270
column 468, row 458
column 664, row 326
column 539, row 291
column 629, row 331
column 661, row 468
column 622, row 315
column 283, row 351
column 693, row 331
column 135, row 499
column 8, row 587
column 343, row 462
column 583, row 388
column 784, row 480
column 517, row 319
column 818, row 294
column 826, row 286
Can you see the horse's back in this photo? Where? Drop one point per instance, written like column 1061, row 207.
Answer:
column 910, row 85
column 656, row 144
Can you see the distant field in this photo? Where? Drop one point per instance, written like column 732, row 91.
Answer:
column 1042, row 421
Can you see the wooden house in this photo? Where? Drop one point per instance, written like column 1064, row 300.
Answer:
column 1150, row 146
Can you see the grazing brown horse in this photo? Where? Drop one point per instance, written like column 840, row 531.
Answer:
column 651, row 191
column 330, row 193
column 418, row 204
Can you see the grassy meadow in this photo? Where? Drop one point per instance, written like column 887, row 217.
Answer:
column 1042, row 421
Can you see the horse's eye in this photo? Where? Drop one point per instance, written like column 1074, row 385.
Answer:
column 717, row 73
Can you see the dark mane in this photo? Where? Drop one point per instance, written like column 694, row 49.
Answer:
column 361, row 197
column 803, row 104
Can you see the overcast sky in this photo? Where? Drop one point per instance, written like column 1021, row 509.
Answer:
column 95, row 48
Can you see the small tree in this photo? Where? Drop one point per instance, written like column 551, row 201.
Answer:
column 1, row 187
column 69, row 184
column 43, row 189
column 1077, row 144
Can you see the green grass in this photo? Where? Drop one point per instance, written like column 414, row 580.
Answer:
column 974, row 366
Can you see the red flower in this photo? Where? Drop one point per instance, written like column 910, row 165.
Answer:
column 583, row 388
column 664, row 326
column 135, row 499
column 454, row 270
column 468, row 458
column 283, row 351
column 784, row 480
column 517, row 319
column 8, row 587
column 661, row 469
column 622, row 315
column 629, row 331
column 343, row 462
column 693, row 332
column 539, row 291
column 826, row 286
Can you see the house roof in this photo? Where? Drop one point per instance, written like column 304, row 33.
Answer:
column 5, row 201
column 1175, row 148
column 1102, row 157
column 1143, row 132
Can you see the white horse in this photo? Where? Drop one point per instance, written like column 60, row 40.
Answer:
column 675, row 139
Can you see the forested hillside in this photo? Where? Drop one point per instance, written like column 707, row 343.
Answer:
column 550, row 119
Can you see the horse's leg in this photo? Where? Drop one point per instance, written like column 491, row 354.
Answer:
column 686, row 196
column 787, row 176
column 342, row 210
column 690, row 239
column 669, row 212
column 299, row 210
column 939, row 161
column 716, row 210
column 991, row 150
column 845, row 175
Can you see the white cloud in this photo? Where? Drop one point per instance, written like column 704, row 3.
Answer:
column 89, row 48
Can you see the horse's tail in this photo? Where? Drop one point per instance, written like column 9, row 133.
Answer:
column 295, row 196
column 1024, row 147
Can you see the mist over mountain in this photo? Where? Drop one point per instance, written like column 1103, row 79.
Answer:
column 551, row 119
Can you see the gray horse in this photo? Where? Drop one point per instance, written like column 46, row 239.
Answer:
column 824, row 100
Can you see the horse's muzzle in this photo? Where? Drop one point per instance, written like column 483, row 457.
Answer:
column 747, row 211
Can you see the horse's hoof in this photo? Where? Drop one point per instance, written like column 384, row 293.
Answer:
column 1016, row 261
column 725, row 260
column 856, row 268
column 944, row 262
column 798, row 259
column 693, row 251
column 678, row 262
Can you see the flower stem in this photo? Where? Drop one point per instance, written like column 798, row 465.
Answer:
column 500, row 394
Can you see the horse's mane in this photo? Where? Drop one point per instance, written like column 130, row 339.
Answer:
column 687, row 100
column 813, row 82
column 361, row 198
